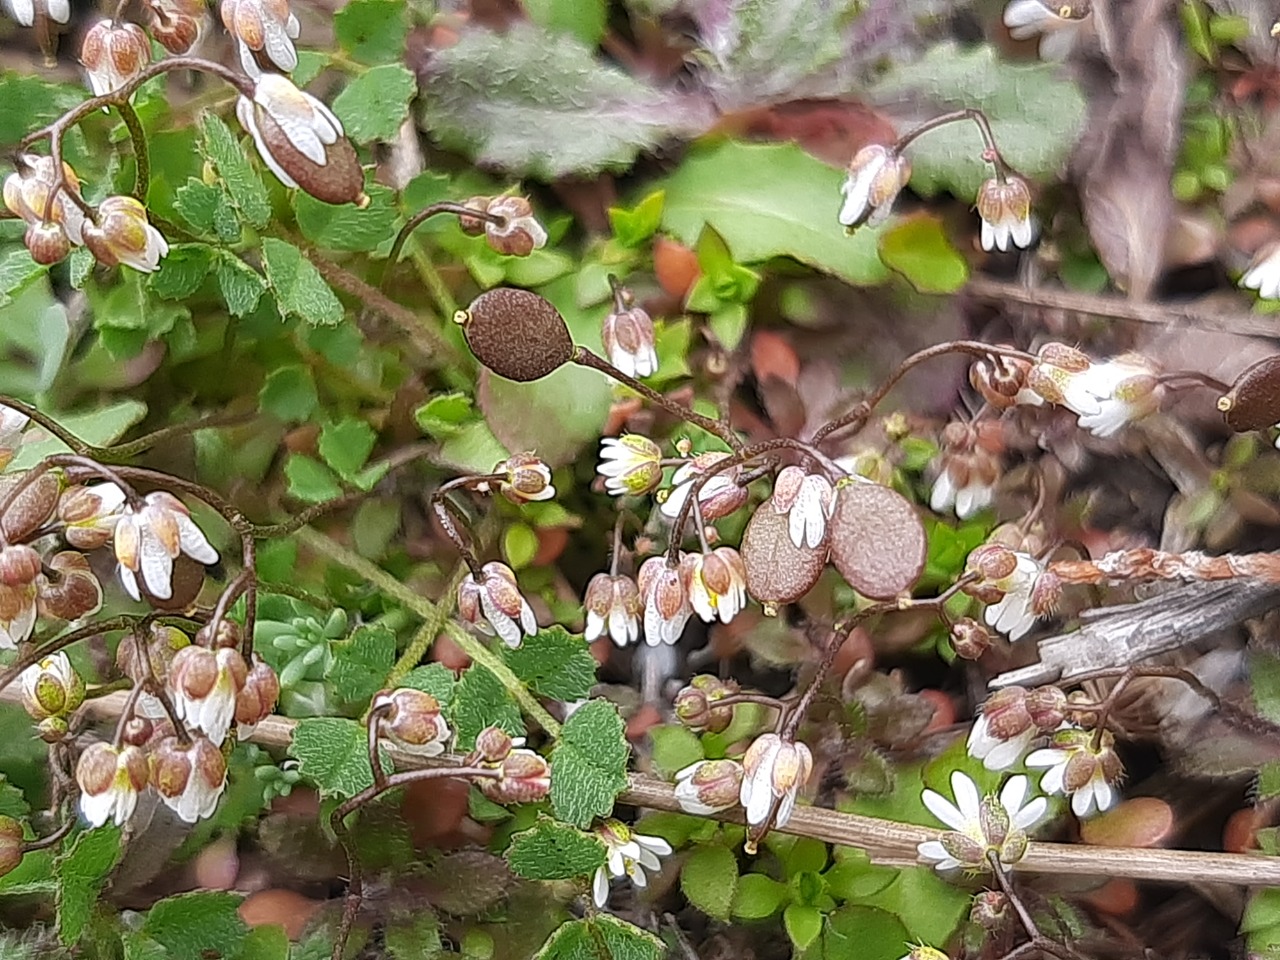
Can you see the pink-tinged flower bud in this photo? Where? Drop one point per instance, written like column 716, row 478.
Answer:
column 258, row 698
column 1047, row 707
column 1002, row 381
column 17, row 614
column 264, row 31
column 520, row 233
column 494, row 604
column 47, row 243
column 695, row 705
column 665, row 600
column 301, row 141
column 113, row 53
column 19, row 565
column 720, row 495
column 11, row 848
column 709, row 786
column 89, row 514
column 877, row 175
column 493, row 744
column 613, row 603
column 27, row 195
column 227, row 634
column 1004, row 204
column 152, row 657
column 190, row 777
column 992, row 561
column 51, row 688
column 177, row 25
column 774, row 771
column 412, row 719
column 526, row 778
column 122, row 234
column 205, row 685
column 630, row 342
column 717, row 583
column 990, row 910
column 528, row 478
column 1006, row 713
column 110, row 780
column 138, row 731
column 70, row 590
column 970, row 639
column 630, row 464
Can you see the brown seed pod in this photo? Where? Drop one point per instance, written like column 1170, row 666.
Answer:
column 188, row 578
column 1253, row 402
column 339, row 180
column 33, row 506
column 516, row 334
column 877, row 541
column 777, row 570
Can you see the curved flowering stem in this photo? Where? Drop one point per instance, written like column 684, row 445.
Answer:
column 992, row 152
column 447, row 512
column 141, row 153
column 53, row 839
column 426, row 213
column 66, row 460
column 1038, row 942
column 861, row 412
column 372, row 722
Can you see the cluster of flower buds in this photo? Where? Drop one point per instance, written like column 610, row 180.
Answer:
column 412, row 719
column 493, row 603
column 60, row 586
column 981, row 826
column 524, row 776
column 631, row 464
column 1016, row 587
column 876, row 176
column 712, row 584
column 509, row 226
column 177, row 25
column 264, row 31
column 709, row 786
column 51, row 692
column 1011, row 719
column 630, row 340
column 773, row 772
column 113, row 53
column 205, row 684
column 1105, row 396
column 1004, row 204
column 629, row 854
column 969, row 466
column 301, row 141
column 695, row 705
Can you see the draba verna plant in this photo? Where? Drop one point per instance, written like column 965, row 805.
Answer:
column 593, row 479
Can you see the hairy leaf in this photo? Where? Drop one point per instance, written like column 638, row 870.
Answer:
column 333, row 753
column 299, row 289
column 81, row 873
column 479, row 701
column 602, row 937
column 554, row 663
column 191, row 925
column 589, row 765
column 376, row 104
column 554, row 851
column 362, row 662
column 709, row 878
column 241, row 180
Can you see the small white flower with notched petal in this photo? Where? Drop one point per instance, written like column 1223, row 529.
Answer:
column 773, row 771
column 189, row 778
column 877, row 175
column 717, row 583
column 12, row 423
column 149, row 538
column 1004, row 204
column 981, row 825
column 629, row 855
column 1263, row 274
column 204, row 685
column 998, row 753
column 709, row 786
column 719, row 496
column 629, row 342
column 110, row 780
column 1126, row 389
column 1012, row 588
column 262, row 28
column 630, row 464
column 1058, row 23
column 494, row 604
column 808, row 500
column 664, row 598
column 1079, row 769
column 613, row 602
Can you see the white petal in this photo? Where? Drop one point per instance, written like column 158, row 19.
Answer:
column 1027, row 13
column 1051, row 782
column 943, row 809
column 193, row 542
column 968, row 801
column 595, row 626
column 943, row 496
column 1031, row 814
column 528, row 622
column 933, row 850
column 785, row 807
column 59, row 10
column 129, row 582
column 656, row 844
column 278, row 46
column 157, row 566
column 1012, row 795
column 600, row 888
column 1103, row 793
column 1007, row 752
column 1082, row 800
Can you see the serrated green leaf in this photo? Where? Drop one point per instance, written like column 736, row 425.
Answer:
column 372, row 31
column 769, row 200
column 554, row 851
column 289, row 393
column 241, row 180
column 918, row 248
column 632, row 227
column 479, row 701
column 333, row 753
column 35, row 102
column 182, row 271
column 81, row 872
column 803, row 924
column 198, row 202
column 241, row 285
column 138, row 947
column 362, row 662
column 346, row 226
column 346, row 444
column 376, row 104
column 310, row 480
column 709, row 878
column 443, row 416
column 17, row 269
column 602, row 937
column 416, row 937
column 191, row 925
column 589, row 765
column 299, row 289
column 435, row 679
column 759, row 896
column 674, row 748
column 554, row 663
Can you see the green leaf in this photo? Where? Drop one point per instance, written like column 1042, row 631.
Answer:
column 442, row 416
column 289, row 393
column 299, row 289
column 709, row 878
column 138, row 947
column 333, row 753
column 769, row 200
column 81, row 873
column 241, row 285
column 415, row 937
column 181, row 271
column 554, row 663
column 1264, row 672
column 759, row 896
column 372, row 31
column 855, row 878
column 191, row 926
column 803, row 924
column 79, row 267
column 1036, row 114
column 310, row 480
column 346, row 445
column 633, row 227
column 534, row 102
column 1269, row 780
column 584, row 19
column 375, row 105
column 238, row 175
column 268, row 942
column 17, row 269
column 479, row 701
column 554, row 851
column 519, row 545
column 101, row 427
column 602, row 937
column 435, row 679
column 345, row 226
column 362, row 662
column 589, row 765
column 13, row 802
column 930, row 907
column 865, row 933
column 918, row 248
column 674, row 748
column 34, row 102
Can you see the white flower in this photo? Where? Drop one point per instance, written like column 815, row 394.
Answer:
column 189, row 778
column 113, row 54
column 110, row 780
column 148, row 539
column 773, row 770
column 12, row 423
column 1077, row 768
column 629, row 855
column 709, row 786
column 282, row 115
column 1125, row 389
column 808, row 500
column 719, row 496
column 967, row 497
column 1059, row 26
column 630, row 342
column 262, row 26
column 664, row 596
column 717, row 583
column 1015, row 614
column 630, row 464
column 51, row 687
column 494, row 604
column 24, row 11
column 121, row 233
column 997, row 754
column 876, row 176
column 613, row 602
column 204, row 685
column 89, row 514
column 981, row 825
column 1004, row 203
column 1263, row 274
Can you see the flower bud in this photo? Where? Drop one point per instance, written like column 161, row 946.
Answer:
column 228, row 635
column 70, row 590
column 51, row 688
column 110, row 780
column 520, row 233
column 709, row 786
column 528, row 478
column 612, row 603
column 1002, row 381
column 970, row 639
column 474, row 226
column 152, row 657
column 516, row 334
column 526, row 778
column 630, row 464
column 876, row 176
column 189, row 777
column 176, row 24
column 27, row 195
column 990, row 910
column 264, row 31
column 113, row 53
column 493, row 744
column 89, row 514
column 992, row 561
column 34, row 505
column 19, row 565
column 412, row 718
column 121, row 233
column 1006, row 713
column 255, row 702
column 11, row 848
column 47, row 243
column 138, row 731
column 206, row 685
column 1047, row 707
column 1004, row 204
column 52, row 729
column 630, row 342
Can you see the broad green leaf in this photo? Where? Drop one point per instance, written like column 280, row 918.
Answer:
column 241, row 285
column 190, row 926
column 442, row 416
column 1036, row 114
column 362, row 662
column 674, row 748
column 299, row 289
column 554, row 663
column 346, row 444
column 238, row 175
column 17, row 269
column 81, row 873
column 435, row 679
column 479, row 701
column 855, row 877
column 289, row 393
column 138, row 947
column 554, row 851
column 865, row 933
column 376, row 104
column 602, row 937
column 769, row 200
column 372, row 31
column 345, row 226
column 709, row 878
column 589, row 765
column 333, row 753
column 182, row 271
column 540, row 103
column 268, row 942
column 34, row 102
column 415, row 937
column 101, row 428
column 930, row 907
column 759, row 896
column 803, row 924
column 632, row 227
column 918, row 249
column 310, row 480
column 519, row 545
column 584, row 19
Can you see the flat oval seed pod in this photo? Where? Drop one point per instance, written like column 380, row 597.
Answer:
column 188, row 578
column 777, row 570
column 1253, row 402
column 877, row 540
column 516, row 334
